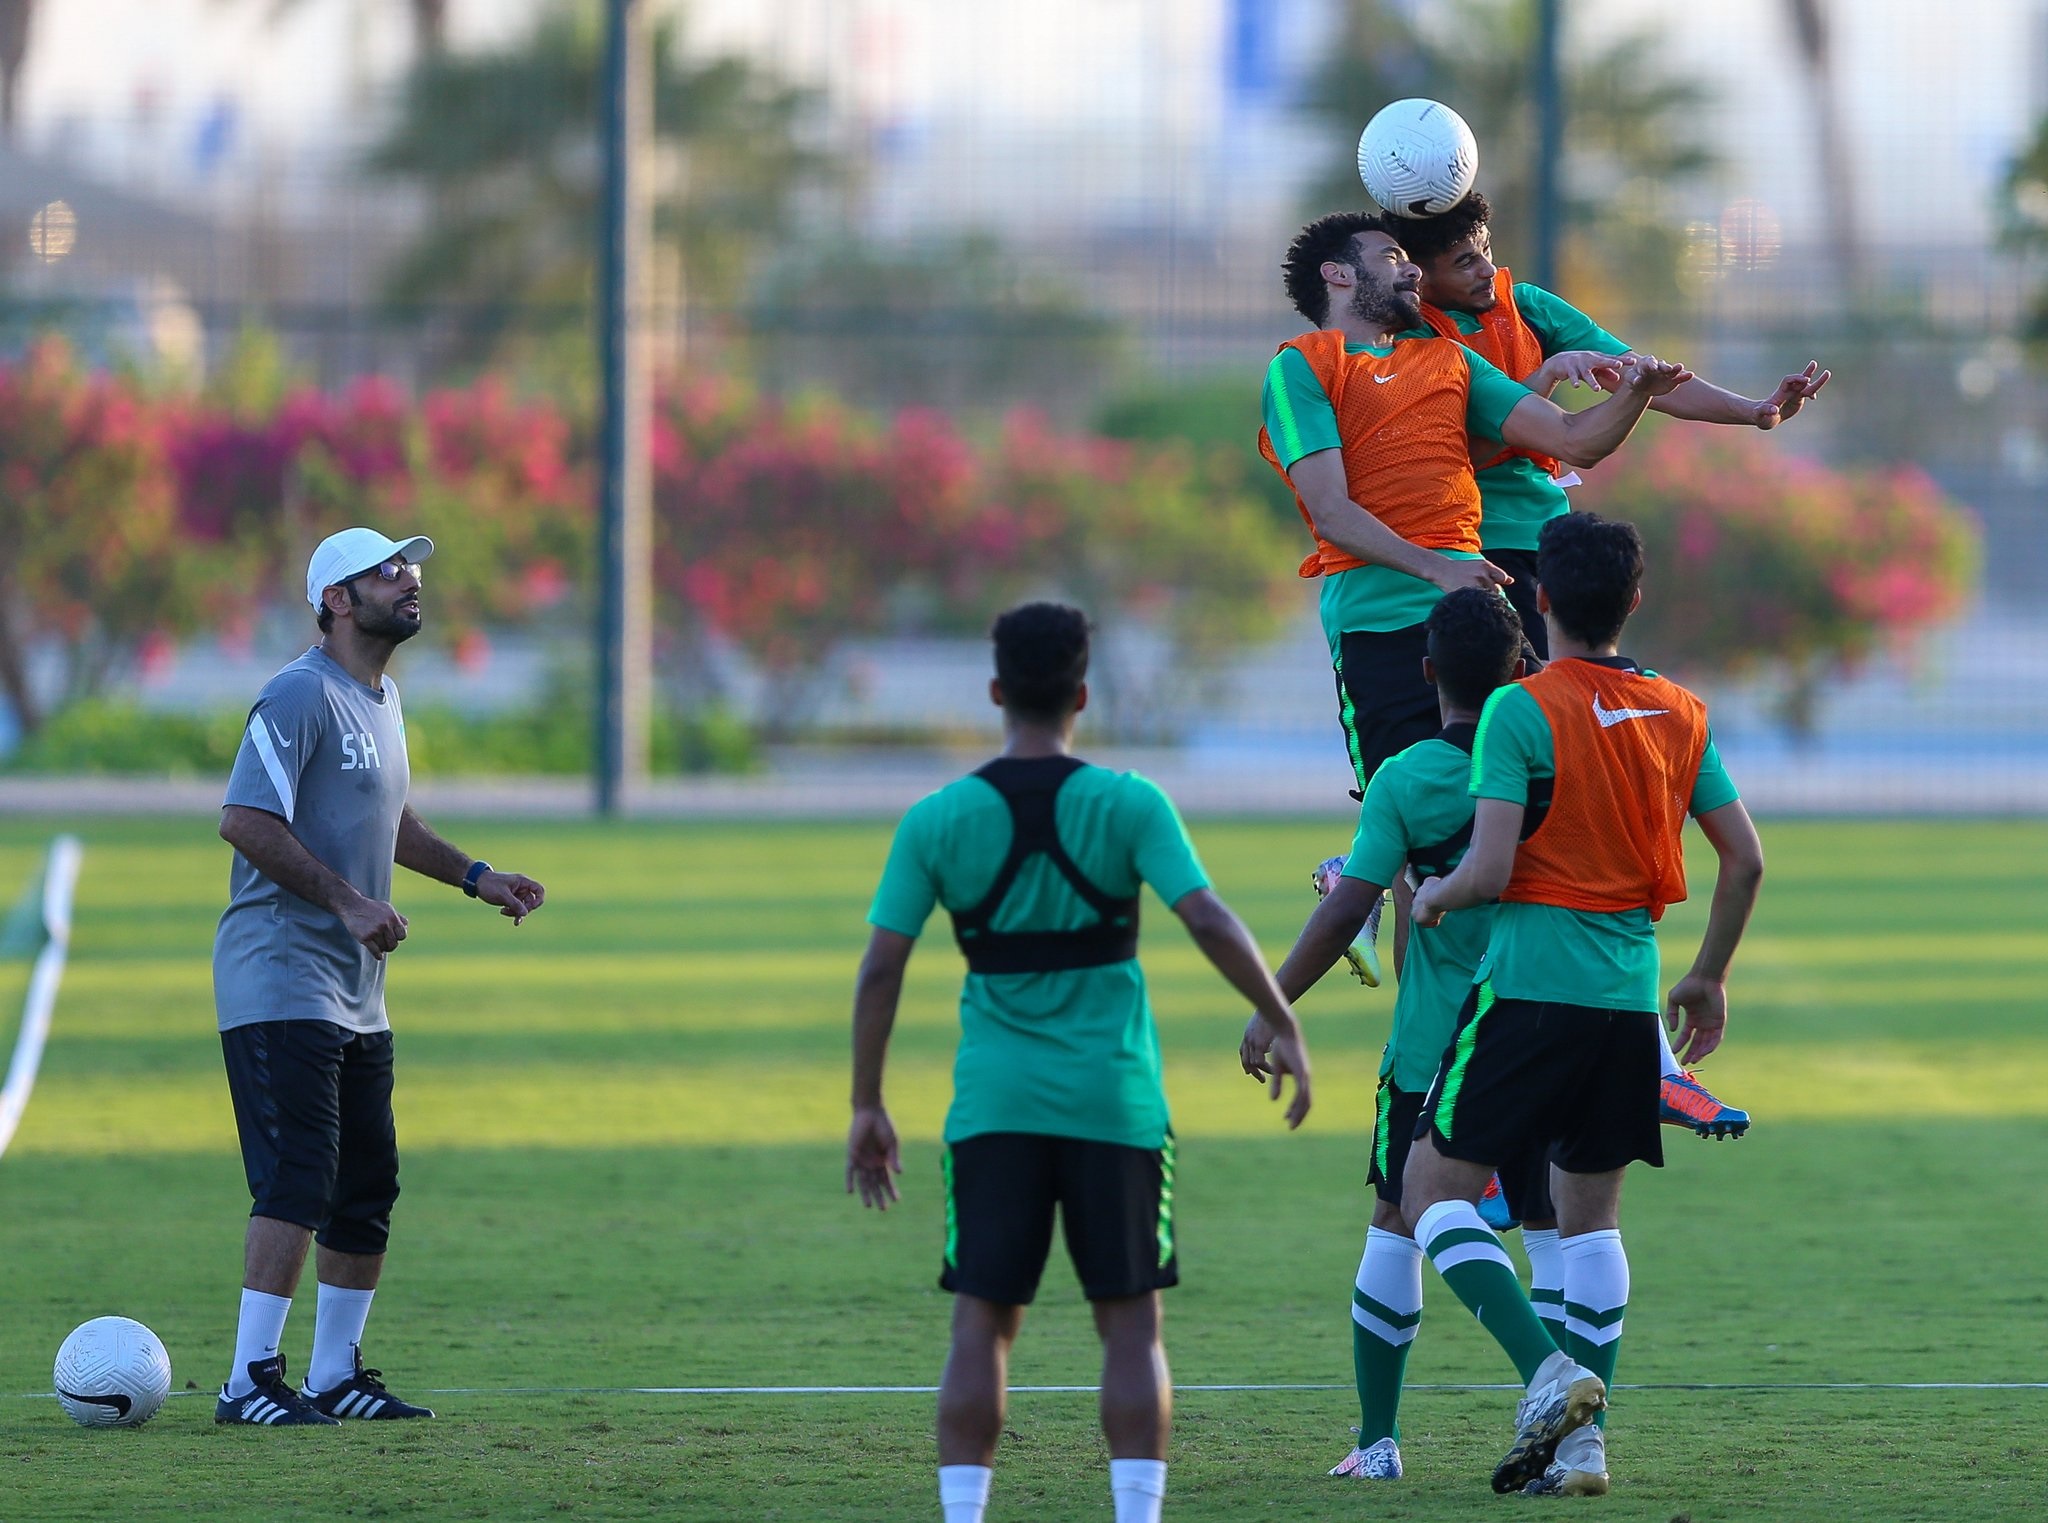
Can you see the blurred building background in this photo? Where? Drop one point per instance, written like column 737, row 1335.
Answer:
column 1074, row 208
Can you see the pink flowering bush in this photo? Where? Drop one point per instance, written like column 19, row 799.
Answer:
column 90, row 557
column 790, row 528
column 1762, row 560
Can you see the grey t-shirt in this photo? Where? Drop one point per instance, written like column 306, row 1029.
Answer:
column 328, row 755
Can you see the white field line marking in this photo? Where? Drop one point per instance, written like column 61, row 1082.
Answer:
column 1819, row 1385
column 60, row 880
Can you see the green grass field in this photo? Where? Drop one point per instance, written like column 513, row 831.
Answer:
column 621, row 1127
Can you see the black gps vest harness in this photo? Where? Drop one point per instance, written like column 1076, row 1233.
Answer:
column 1031, row 788
column 1438, row 859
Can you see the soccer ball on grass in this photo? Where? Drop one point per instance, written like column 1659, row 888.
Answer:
column 112, row 1372
column 1417, row 158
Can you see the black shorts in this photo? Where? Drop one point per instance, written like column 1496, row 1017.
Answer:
column 1525, row 1183
column 1521, row 565
column 313, row 1107
column 1383, row 702
column 1115, row 1205
column 1522, row 1075
column 1395, row 1113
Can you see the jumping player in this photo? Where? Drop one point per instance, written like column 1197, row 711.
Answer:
column 1057, row 1102
column 1543, row 341
column 1369, row 418
column 1556, row 1046
column 1417, row 814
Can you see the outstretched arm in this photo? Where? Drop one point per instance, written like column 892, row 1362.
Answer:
column 1697, row 1010
column 1226, row 943
column 1326, row 493
column 871, row 1153
column 1701, row 401
column 1589, row 437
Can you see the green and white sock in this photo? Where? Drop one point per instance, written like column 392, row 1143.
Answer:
column 1546, row 1277
column 1476, row 1267
column 1595, row 1297
column 1386, row 1305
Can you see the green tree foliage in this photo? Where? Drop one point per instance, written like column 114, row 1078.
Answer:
column 505, row 144
column 951, row 322
column 1633, row 130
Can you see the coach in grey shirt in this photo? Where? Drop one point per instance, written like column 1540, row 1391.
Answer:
column 317, row 815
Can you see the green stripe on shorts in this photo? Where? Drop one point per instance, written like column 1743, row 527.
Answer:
column 1382, row 1129
column 1166, row 1201
column 1468, row 1038
column 1347, row 716
column 952, row 1212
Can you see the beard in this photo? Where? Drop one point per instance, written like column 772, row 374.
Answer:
column 1389, row 305
column 387, row 623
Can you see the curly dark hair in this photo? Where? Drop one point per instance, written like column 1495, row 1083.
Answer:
column 1426, row 237
column 1475, row 639
column 1041, row 658
column 1590, row 567
column 1334, row 237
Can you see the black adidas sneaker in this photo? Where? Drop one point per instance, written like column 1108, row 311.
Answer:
column 272, row 1404
column 362, row 1397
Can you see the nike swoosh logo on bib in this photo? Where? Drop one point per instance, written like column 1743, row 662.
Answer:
column 274, row 730
column 1381, row 380
column 1609, row 718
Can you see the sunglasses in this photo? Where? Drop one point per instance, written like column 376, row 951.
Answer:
column 388, row 571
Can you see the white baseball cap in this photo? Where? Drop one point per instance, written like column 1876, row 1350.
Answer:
column 354, row 551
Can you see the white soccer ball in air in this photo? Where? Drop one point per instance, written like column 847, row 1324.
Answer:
column 1417, row 158
column 112, row 1372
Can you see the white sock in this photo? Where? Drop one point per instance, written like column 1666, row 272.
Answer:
column 338, row 1322
column 1546, row 1277
column 257, row 1335
column 1595, row 1285
column 963, row 1492
column 1391, row 1274
column 1138, row 1487
column 1671, row 1068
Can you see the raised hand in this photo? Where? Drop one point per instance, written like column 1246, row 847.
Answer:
column 1647, row 375
column 1581, row 367
column 1792, row 394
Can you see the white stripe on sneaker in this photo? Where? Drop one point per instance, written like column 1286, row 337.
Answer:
column 376, row 1406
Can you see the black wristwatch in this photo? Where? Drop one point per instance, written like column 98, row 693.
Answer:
column 476, row 870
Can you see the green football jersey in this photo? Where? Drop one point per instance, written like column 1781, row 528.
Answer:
column 1419, row 807
column 1070, row 1053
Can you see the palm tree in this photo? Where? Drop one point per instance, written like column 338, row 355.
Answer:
column 505, row 145
column 1633, row 126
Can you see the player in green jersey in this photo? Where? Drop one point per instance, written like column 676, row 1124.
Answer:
column 1057, row 1101
column 1556, row 1046
column 1417, row 815
column 1464, row 292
